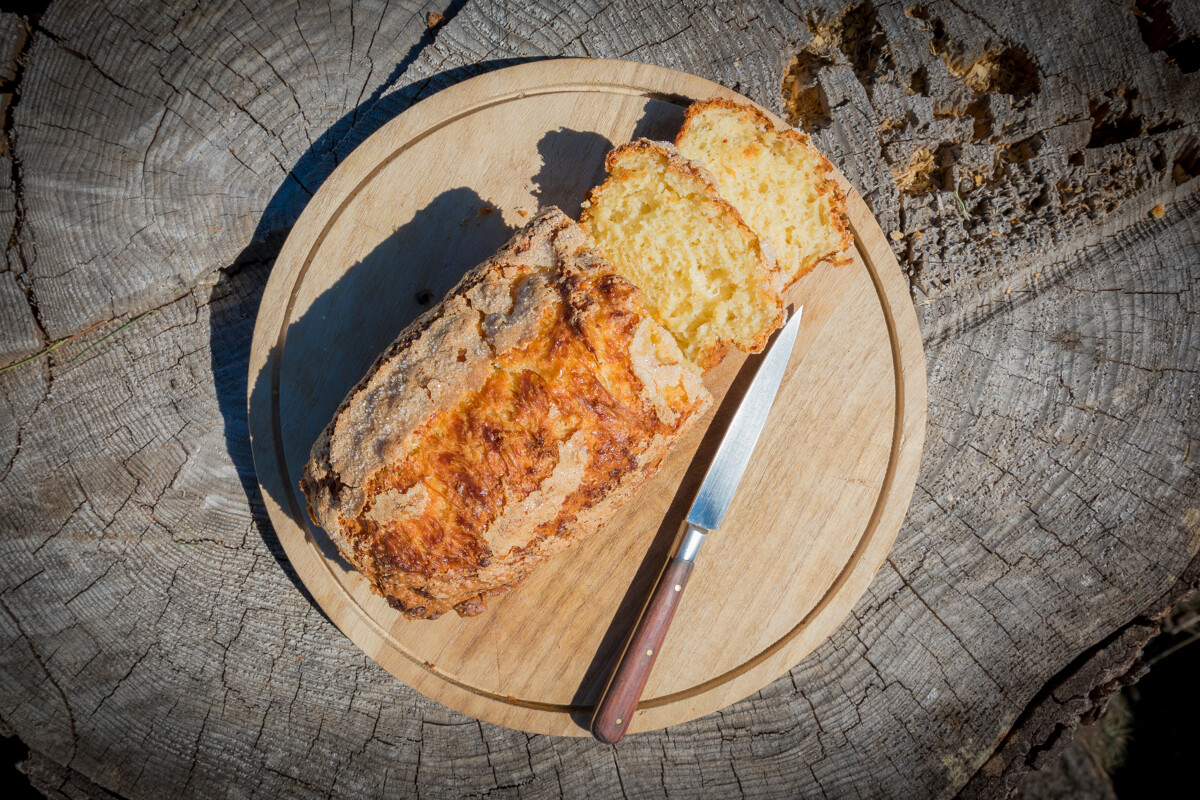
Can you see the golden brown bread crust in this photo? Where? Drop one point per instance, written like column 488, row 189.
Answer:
column 504, row 424
column 676, row 162
column 839, row 256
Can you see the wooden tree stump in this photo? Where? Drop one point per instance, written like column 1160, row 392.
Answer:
column 1036, row 163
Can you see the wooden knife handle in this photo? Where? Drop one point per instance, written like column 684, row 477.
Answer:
column 620, row 698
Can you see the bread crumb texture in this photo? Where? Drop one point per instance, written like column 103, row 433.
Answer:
column 705, row 274
column 783, row 186
column 503, row 425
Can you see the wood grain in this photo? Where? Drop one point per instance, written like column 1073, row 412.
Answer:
column 821, row 502
column 151, row 633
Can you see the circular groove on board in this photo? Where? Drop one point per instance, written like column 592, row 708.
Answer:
column 274, row 359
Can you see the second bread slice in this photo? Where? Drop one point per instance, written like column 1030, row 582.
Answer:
column 705, row 275
column 782, row 185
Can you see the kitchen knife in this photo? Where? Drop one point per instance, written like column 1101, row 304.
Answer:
column 620, row 698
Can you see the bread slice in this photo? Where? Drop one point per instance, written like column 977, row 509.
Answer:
column 782, row 185
column 705, row 275
column 507, row 422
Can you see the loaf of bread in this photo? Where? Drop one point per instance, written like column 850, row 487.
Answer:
column 504, row 424
column 706, row 276
column 783, row 186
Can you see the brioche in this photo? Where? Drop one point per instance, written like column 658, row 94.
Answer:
column 705, row 275
column 782, row 185
column 504, row 424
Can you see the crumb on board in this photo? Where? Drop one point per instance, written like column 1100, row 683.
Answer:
column 1158, row 211
column 486, row 209
column 896, row 236
column 433, row 19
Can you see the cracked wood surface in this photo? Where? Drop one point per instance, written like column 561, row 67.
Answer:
column 154, row 642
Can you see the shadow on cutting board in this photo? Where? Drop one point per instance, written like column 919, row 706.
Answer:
column 572, row 163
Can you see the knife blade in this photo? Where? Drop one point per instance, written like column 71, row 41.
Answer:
column 729, row 464
column 624, row 689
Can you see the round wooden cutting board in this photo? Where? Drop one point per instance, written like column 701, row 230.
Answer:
column 436, row 191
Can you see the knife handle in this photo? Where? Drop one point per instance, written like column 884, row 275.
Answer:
column 620, row 698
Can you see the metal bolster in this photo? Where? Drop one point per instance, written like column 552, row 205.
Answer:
column 689, row 543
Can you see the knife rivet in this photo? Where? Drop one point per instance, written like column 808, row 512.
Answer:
column 618, row 721
column 649, row 652
column 678, row 588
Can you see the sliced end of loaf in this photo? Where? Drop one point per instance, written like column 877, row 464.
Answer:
column 782, row 185
column 704, row 273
